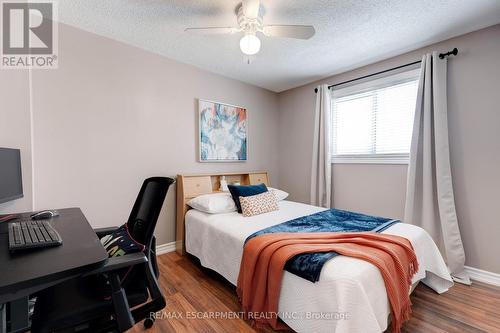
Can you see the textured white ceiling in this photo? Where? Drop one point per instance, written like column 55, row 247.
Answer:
column 349, row 33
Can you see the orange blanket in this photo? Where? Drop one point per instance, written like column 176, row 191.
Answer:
column 265, row 256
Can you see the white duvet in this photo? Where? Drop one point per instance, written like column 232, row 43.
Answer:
column 350, row 295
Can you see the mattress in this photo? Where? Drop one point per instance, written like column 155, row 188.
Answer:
column 350, row 295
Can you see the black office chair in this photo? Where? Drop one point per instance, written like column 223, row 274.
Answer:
column 99, row 301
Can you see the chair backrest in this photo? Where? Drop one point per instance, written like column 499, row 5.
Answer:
column 147, row 207
column 141, row 225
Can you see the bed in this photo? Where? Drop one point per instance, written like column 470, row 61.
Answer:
column 350, row 295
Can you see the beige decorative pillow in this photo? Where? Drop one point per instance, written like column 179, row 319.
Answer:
column 259, row 204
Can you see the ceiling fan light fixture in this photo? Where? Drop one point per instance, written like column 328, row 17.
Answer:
column 250, row 44
column 249, row 16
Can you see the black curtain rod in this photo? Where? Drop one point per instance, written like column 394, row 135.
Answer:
column 441, row 56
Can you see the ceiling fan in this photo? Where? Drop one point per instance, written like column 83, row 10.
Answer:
column 250, row 22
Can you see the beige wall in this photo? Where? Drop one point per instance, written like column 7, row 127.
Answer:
column 474, row 127
column 15, row 130
column 112, row 115
column 378, row 189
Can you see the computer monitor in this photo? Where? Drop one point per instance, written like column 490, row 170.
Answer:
column 11, row 181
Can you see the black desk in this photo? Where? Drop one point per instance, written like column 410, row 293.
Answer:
column 25, row 273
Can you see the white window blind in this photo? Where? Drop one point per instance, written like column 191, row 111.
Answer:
column 373, row 120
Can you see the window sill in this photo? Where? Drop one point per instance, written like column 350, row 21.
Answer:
column 370, row 159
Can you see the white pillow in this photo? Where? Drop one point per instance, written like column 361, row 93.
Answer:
column 214, row 203
column 280, row 195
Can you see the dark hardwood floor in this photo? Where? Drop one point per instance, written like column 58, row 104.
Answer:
column 193, row 292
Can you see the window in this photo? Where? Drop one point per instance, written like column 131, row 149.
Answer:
column 373, row 121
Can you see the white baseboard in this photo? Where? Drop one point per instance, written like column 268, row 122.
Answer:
column 165, row 248
column 483, row 276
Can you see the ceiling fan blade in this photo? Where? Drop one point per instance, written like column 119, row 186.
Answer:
column 289, row 31
column 251, row 8
column 212, row 30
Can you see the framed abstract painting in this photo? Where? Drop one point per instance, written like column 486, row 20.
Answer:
column 223, row 132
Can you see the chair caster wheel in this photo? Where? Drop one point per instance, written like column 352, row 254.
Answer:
column 148, row 322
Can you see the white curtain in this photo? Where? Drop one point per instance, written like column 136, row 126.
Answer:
column 321, row 172
column 430, row 203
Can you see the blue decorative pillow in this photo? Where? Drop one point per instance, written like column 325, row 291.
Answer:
column 120, row 243
column 238, row 191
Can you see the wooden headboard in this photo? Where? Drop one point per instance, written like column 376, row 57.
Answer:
column 192, row 185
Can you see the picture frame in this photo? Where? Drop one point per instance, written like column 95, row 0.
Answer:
column 222, row 132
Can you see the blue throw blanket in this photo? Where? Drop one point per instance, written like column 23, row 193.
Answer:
column 309, row 265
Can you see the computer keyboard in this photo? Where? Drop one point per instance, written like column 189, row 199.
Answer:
column 30, row 234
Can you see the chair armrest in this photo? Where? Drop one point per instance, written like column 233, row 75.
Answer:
column 115, row 263
column 101, row 232
column 123, row 315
